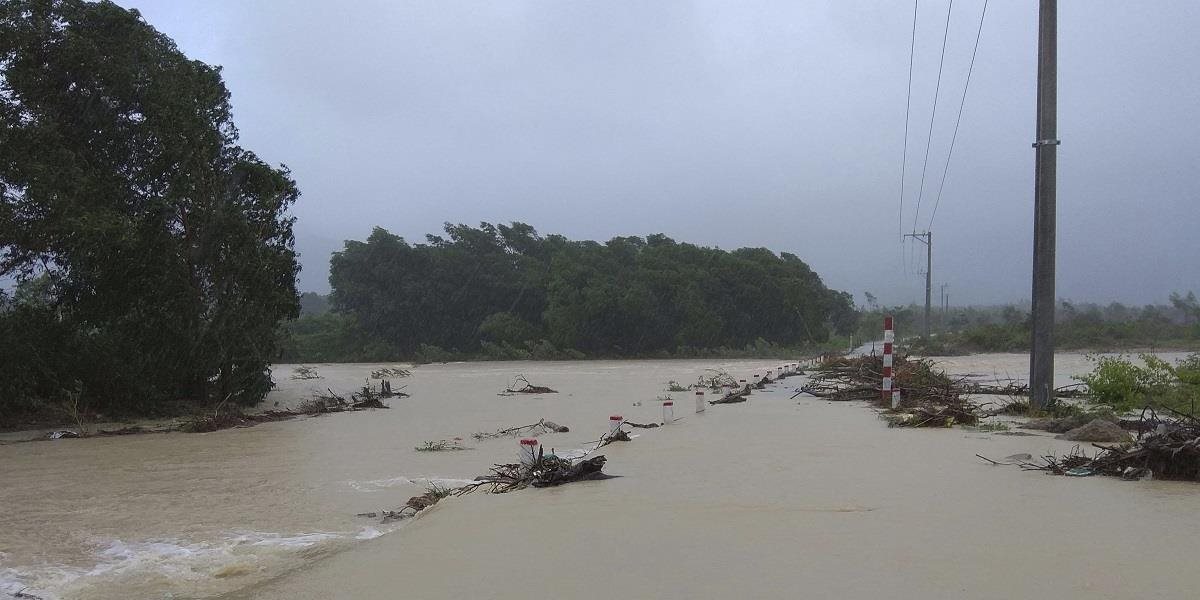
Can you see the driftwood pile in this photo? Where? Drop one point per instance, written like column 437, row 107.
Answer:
column 928, row 397
column 1169, row 450
column 547, row 470
column 364, row 398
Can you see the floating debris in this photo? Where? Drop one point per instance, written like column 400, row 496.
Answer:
column 521, row 385
column 390, row 372
column 533, row 430
column 442, row 446
column 305, row 372
column 928, row 397
column 1171, row 450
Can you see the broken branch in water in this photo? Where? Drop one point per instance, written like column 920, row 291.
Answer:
column 533, row 430
column 433, row 494
column 733, row 397
column 390, row 372
column 521, row 385
column 641, row 425
column 442, row 446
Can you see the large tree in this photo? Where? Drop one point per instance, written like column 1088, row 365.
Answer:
column 163, row 249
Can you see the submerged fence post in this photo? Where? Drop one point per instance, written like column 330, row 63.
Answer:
column 889, row 337
column 528, row 451
column 615, row 422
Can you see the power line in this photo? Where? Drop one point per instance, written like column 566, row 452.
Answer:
column 912, row 51
column 936, row 91
column 958, row 119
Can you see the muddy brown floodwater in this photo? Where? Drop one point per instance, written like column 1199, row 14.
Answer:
column 776, row 498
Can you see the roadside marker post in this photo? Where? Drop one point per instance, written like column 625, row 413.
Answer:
column 669, row 411
column 889, row 390
column 699, row 402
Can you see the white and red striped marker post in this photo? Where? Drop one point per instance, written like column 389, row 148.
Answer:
column 614, row 423
column 699, row 401
column 669, row 411
column 889, row 337
column 528, row 451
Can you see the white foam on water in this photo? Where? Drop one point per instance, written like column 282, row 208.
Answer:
column 181, row 562
column 11, row 582
column 303, row 540
column 369, row 533
column 376, row 485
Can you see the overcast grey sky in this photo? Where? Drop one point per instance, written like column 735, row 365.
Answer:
column 776, row 124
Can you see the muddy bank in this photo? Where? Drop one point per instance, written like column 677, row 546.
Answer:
column 300, row 391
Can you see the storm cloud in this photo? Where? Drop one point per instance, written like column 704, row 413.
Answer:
column 776, row 124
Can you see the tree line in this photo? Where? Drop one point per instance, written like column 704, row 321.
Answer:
column 1078, row 326
column 505, row 291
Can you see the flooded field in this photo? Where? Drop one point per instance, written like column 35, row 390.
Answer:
column 776, row 498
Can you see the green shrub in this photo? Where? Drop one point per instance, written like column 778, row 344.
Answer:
column 1118, row 382
column 1115, row 381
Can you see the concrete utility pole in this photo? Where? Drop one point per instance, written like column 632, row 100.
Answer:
column 1041, row 355
column 927, row 239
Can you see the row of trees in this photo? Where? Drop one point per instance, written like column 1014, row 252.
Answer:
column 491, row 288
column 152, row 255
column 1078, row 326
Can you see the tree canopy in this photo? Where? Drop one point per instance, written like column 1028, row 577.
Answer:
column 505, row 285
column 153, row 255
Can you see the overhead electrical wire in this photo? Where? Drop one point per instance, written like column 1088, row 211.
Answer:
column 958, row 119
column 912, row 51
column 936, row 91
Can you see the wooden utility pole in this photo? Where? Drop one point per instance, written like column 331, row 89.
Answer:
column 1041, row 355
column 927, row 239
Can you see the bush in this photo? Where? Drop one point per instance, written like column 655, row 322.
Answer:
column 1115, row 381
column 1118, row 382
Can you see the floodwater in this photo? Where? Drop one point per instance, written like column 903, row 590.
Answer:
column 775, row 498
